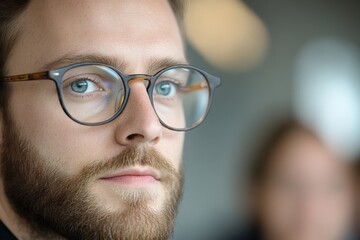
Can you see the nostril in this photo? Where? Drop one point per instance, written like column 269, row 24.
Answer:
column 155, row 140
column 134, row 137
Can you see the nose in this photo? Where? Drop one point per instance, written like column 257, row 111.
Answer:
column 138, row 123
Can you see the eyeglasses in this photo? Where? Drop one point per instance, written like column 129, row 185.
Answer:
column 93, row 94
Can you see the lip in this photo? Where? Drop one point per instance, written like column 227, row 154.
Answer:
column 136, row 176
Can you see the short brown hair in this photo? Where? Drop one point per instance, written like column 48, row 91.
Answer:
column 10, row 9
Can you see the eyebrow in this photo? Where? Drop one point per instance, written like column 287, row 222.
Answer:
column 155, row 65
column 72, row 59
column 159, row 64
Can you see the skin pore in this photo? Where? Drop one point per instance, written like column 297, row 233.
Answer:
column 138, row 37
column 306, row 193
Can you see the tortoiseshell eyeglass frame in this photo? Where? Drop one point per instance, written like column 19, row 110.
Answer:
column 56, row 75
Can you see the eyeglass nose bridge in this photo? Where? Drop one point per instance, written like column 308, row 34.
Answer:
column 146, row 79
column 121, row 99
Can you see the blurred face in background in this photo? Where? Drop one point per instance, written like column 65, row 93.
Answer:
column 306, row 192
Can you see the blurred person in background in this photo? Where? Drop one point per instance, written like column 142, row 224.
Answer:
column 300, row 188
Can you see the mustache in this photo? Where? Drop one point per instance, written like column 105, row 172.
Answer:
column 134, row 155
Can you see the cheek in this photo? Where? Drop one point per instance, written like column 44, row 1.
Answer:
column 35, row 108
column 277, row 209
column 342, row 209
column 37, row 113
column 171, row 146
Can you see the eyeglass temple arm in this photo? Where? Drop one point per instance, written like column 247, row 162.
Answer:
column 26, row 77
column 195, row 87
column 215, row 82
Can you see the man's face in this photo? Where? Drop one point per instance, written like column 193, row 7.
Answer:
column 122, row 179
column 307, row 193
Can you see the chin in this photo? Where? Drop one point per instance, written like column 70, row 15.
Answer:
column 117, row 198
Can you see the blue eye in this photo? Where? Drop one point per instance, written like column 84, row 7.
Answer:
column 165, row 88
column 83, row 86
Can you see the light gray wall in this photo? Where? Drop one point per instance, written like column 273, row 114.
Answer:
column 217, row 152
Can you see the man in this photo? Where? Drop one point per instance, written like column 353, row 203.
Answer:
column 95, row 97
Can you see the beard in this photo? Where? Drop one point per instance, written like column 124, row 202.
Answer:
column 55, row 204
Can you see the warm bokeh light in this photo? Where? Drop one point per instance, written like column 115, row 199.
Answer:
column 226, row 33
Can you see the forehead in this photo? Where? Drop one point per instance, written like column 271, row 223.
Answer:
column 135, row 31
column 303, row 154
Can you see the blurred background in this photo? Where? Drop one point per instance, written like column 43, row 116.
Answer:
column 276, row 58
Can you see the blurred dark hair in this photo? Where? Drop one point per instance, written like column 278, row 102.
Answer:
column 272, row 140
